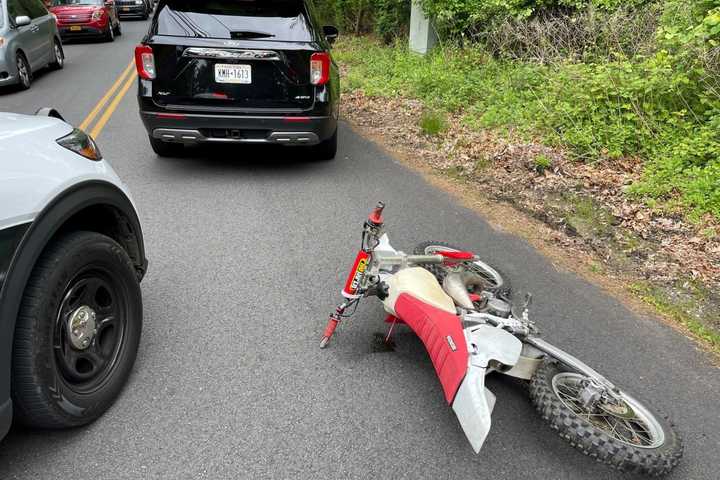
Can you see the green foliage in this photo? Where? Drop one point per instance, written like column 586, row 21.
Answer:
column 470, row 17
column 542, row 162
column 432, row 123
column 387, row 18
column 664, row 108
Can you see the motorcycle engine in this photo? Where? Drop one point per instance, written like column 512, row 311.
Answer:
column 499, row 308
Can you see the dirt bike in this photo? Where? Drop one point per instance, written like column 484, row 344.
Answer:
column 461, row 309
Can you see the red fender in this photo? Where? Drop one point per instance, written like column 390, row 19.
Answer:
column 442, row 334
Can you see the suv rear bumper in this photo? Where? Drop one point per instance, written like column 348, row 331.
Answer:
column 131, row 10
column 203, row 128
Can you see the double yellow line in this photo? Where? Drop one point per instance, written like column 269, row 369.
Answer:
column 114, row 96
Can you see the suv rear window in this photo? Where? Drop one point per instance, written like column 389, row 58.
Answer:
column 283, row 20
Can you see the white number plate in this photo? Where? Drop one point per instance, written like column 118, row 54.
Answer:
column 226, row 73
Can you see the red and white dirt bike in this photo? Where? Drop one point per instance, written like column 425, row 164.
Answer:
column 459, row 307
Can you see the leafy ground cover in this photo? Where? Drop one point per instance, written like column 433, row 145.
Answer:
column 653, row 109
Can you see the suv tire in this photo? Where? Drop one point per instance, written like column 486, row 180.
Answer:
column 327, row 149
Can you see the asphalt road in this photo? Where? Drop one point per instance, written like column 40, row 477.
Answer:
column 248, row 251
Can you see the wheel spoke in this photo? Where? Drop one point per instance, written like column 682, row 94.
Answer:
column 635, row 429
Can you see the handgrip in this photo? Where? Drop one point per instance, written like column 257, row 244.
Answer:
column 376, row 217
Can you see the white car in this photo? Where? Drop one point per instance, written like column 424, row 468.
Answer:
column 71, row 260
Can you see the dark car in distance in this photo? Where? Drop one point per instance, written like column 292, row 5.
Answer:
column 134, row 8
column 228, row 71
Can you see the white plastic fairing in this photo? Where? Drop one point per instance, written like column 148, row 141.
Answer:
column 384, row 247
column 473, row 406
column 491, row 343
column 474, row 403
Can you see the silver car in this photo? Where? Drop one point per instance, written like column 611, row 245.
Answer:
column 29, row 41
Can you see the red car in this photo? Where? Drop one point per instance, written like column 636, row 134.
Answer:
column 87, row 18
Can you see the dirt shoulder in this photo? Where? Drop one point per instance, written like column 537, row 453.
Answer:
column 576, row 213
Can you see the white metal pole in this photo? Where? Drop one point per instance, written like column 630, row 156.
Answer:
column 422, row 34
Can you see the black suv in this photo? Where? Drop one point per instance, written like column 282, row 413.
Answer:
column 229, row 71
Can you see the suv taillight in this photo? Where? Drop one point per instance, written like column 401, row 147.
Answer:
column 319, row 68
column 145, row 62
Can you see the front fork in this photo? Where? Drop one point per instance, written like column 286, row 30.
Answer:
column 570, row 361
column 353, row 285
column 351, row 292
column 333, row 322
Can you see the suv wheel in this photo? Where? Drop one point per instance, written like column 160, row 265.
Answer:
column 110, row 34
column 77, row 332
column 58, row 56
column 166, row 149
column 327, row 149
column 24, row 72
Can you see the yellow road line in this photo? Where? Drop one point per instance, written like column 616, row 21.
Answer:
column 112, row 107
column 91, row 116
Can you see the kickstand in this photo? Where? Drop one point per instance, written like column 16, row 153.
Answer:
column 392, row 319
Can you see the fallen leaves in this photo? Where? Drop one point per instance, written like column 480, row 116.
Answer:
column 538, row 180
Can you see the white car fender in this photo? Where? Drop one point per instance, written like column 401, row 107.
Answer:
column 34, row 169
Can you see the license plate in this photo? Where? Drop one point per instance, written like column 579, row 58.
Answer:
column 75, row 28
column 226, row 73
column 126, row 9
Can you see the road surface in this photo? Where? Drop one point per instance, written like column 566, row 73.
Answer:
column 248, row 249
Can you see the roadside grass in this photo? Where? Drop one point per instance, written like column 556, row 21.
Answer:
column 648, row 107
column 681, row 310
column 542, row 163
column 432, row 123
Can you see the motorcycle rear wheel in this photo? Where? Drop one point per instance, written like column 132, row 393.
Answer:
column 498, row 283
column 628, row 436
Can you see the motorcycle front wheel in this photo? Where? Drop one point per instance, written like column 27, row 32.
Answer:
column 622, row 433
column 497, row 282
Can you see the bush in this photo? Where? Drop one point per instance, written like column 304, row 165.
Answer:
column 388, row 18
column 662, row 107
column 473, row 18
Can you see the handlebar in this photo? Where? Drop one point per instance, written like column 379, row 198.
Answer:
column 376, row 217
column 419, row 259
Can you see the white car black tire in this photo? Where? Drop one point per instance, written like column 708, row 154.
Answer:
column 77, row 333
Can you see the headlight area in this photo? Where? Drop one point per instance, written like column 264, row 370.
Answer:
column 82, row 144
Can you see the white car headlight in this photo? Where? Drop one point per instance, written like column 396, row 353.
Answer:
column 82, row 144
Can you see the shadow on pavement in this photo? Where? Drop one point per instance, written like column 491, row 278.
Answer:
column 245, row 158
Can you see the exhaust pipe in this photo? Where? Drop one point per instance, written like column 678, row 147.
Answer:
column 456, row 285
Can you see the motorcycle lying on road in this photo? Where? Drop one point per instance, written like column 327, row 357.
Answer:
column 460, row 307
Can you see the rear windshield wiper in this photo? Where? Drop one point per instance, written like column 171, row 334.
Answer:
column 244, row 34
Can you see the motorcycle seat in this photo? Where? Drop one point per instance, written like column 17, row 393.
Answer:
column 422, row 285
column 416, row 298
